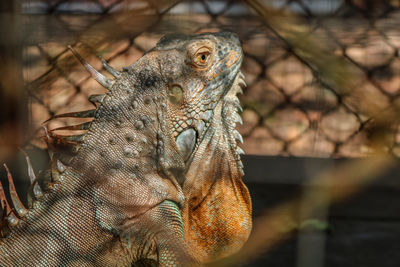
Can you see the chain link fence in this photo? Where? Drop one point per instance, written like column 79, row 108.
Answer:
column 292, row 51
column 288, row 110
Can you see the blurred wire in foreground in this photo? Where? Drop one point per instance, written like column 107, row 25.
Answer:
column 13, row 108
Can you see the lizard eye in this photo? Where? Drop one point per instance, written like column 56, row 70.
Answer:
column 175, row 94
column 202, row 57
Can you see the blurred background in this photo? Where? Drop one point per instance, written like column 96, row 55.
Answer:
column 320, row 111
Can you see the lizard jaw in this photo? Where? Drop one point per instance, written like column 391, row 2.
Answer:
column 190, row 138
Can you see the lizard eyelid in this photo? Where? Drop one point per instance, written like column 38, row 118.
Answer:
column 202, row 57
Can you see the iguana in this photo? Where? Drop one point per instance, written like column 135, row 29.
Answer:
column 156, row 177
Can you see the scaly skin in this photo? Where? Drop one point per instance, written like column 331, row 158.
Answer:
column 217, row 208
column 157, row 175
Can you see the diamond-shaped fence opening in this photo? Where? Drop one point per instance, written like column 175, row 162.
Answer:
column 290, row 104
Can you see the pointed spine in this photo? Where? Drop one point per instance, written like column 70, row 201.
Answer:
column 242, row 83
column 240, row 151
column 60, row 166
column 4, row 229
column 18, row 206
column 238, row 136
column 79, row 114
column 96, row 99
column 4, row 203
column 11, row 218
column 37, row 192
column 58, row 143
column 100, row 78
column 55, row 174
column 108, row 68
column 238, row 119
column 71, row 139
column 236, row 103
column 83, row 126
column 57, row 168
column 48, row 140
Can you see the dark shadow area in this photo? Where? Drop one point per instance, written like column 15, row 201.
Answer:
column 363, row 230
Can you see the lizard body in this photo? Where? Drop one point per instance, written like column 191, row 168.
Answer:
column 157, row 175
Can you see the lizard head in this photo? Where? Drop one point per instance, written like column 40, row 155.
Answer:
column 202, row 73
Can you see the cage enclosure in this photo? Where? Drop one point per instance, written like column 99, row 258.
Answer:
column 320, row 110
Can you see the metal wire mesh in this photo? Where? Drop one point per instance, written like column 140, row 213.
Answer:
column 287, row 109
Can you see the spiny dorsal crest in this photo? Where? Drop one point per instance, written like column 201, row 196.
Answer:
column 67, row 145
column 61, row 150
column 12, row 213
